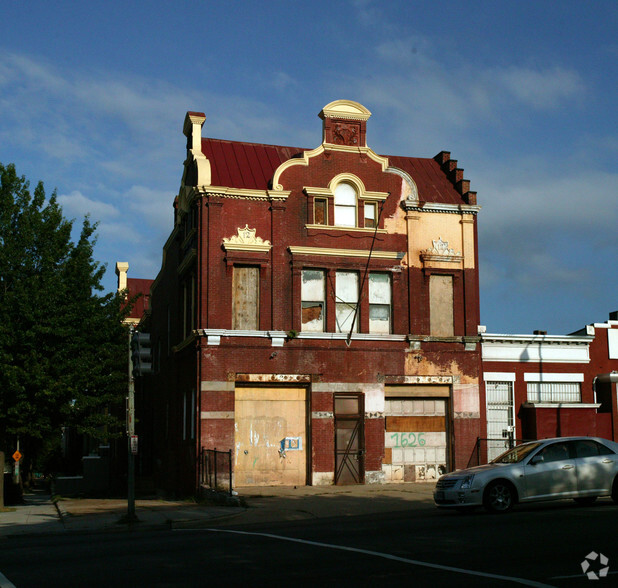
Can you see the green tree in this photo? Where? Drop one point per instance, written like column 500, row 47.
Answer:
column 63, row 349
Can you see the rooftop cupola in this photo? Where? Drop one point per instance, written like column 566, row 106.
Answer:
column 345, row 123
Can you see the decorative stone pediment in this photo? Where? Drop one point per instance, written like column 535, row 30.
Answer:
column 441, row 248
column 441, row 255
column 246, row 240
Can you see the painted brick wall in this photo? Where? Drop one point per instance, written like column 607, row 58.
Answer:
column 323, row 439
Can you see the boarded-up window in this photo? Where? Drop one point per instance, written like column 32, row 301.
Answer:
column 379, row 303
column 312, row 296
column 441, row 305
column 345, row 205
column 347, row 300
column 370, row 215
column 320, row 214
column 246, row 297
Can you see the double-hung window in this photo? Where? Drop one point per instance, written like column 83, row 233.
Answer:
column 313, row 300
column 345, row 205
column 371, row 216
column 379, row 303
column 346, row 293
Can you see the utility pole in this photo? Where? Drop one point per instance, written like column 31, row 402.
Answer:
column 131, row 517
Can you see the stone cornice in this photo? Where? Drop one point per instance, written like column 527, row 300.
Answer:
column 437, row 207
column 347, row 229
column 300, row 250
column 242, row 193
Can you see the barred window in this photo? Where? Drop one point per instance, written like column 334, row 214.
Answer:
column 554, row 392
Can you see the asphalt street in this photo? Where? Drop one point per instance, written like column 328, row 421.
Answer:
column 536, row 545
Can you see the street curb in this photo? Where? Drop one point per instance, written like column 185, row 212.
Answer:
column 201, row 522
column 61, row 514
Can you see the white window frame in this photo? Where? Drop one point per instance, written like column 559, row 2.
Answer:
column 377, row 301
column 346, row 205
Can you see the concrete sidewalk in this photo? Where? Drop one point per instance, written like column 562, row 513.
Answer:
column 39, row 515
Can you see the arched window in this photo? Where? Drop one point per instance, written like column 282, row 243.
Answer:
column 345, row 205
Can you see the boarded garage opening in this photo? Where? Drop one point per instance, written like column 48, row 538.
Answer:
column 416, row 440
column 270, row 437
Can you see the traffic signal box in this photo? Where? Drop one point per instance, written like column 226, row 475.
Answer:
column 141, row 354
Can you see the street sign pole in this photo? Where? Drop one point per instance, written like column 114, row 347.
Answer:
column 16, row 457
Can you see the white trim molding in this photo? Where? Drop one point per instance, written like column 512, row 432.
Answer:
column 499, row 376
column 536, row 348
column 553, row 377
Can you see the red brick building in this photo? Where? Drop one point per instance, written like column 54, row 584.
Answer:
column 551, row 386
column 316, row 312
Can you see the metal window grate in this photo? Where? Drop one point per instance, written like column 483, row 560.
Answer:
column 554, row 392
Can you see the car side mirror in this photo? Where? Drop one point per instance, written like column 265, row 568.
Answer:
column 537, row 459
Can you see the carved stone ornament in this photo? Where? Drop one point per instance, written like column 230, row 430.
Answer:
column 441, row 256
column 346, row 134
column 441, row 248
column 246, row 240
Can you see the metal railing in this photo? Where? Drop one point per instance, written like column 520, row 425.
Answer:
column 497, row 445
column 216, row 470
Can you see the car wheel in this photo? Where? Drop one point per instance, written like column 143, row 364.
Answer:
column 499, row 497
column 586, row 500
column 615, row 490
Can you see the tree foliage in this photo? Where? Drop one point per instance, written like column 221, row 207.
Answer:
column 63, row 349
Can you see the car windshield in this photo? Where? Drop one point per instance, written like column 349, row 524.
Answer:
column 516, row 454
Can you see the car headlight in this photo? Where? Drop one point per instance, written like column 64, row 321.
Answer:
column 467, row 482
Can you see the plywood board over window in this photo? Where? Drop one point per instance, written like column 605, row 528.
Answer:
column 246, row 297
column 270, row 437
column 441, row 305
column 415, row 439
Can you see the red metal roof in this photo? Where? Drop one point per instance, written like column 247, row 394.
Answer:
column 432, row 183
column 245, row 165
column 252, row 165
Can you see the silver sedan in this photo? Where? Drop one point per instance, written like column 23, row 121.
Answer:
column 582, row 468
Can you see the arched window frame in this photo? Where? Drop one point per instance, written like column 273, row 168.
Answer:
column 363, row 197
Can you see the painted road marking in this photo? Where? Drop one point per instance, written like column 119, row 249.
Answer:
column 4, row 583
column 385, row 556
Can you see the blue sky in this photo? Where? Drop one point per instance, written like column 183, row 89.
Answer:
column 93, row 97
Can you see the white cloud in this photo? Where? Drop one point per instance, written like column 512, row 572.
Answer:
column 155, row 207
column 539, row 88
column 77, row 205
